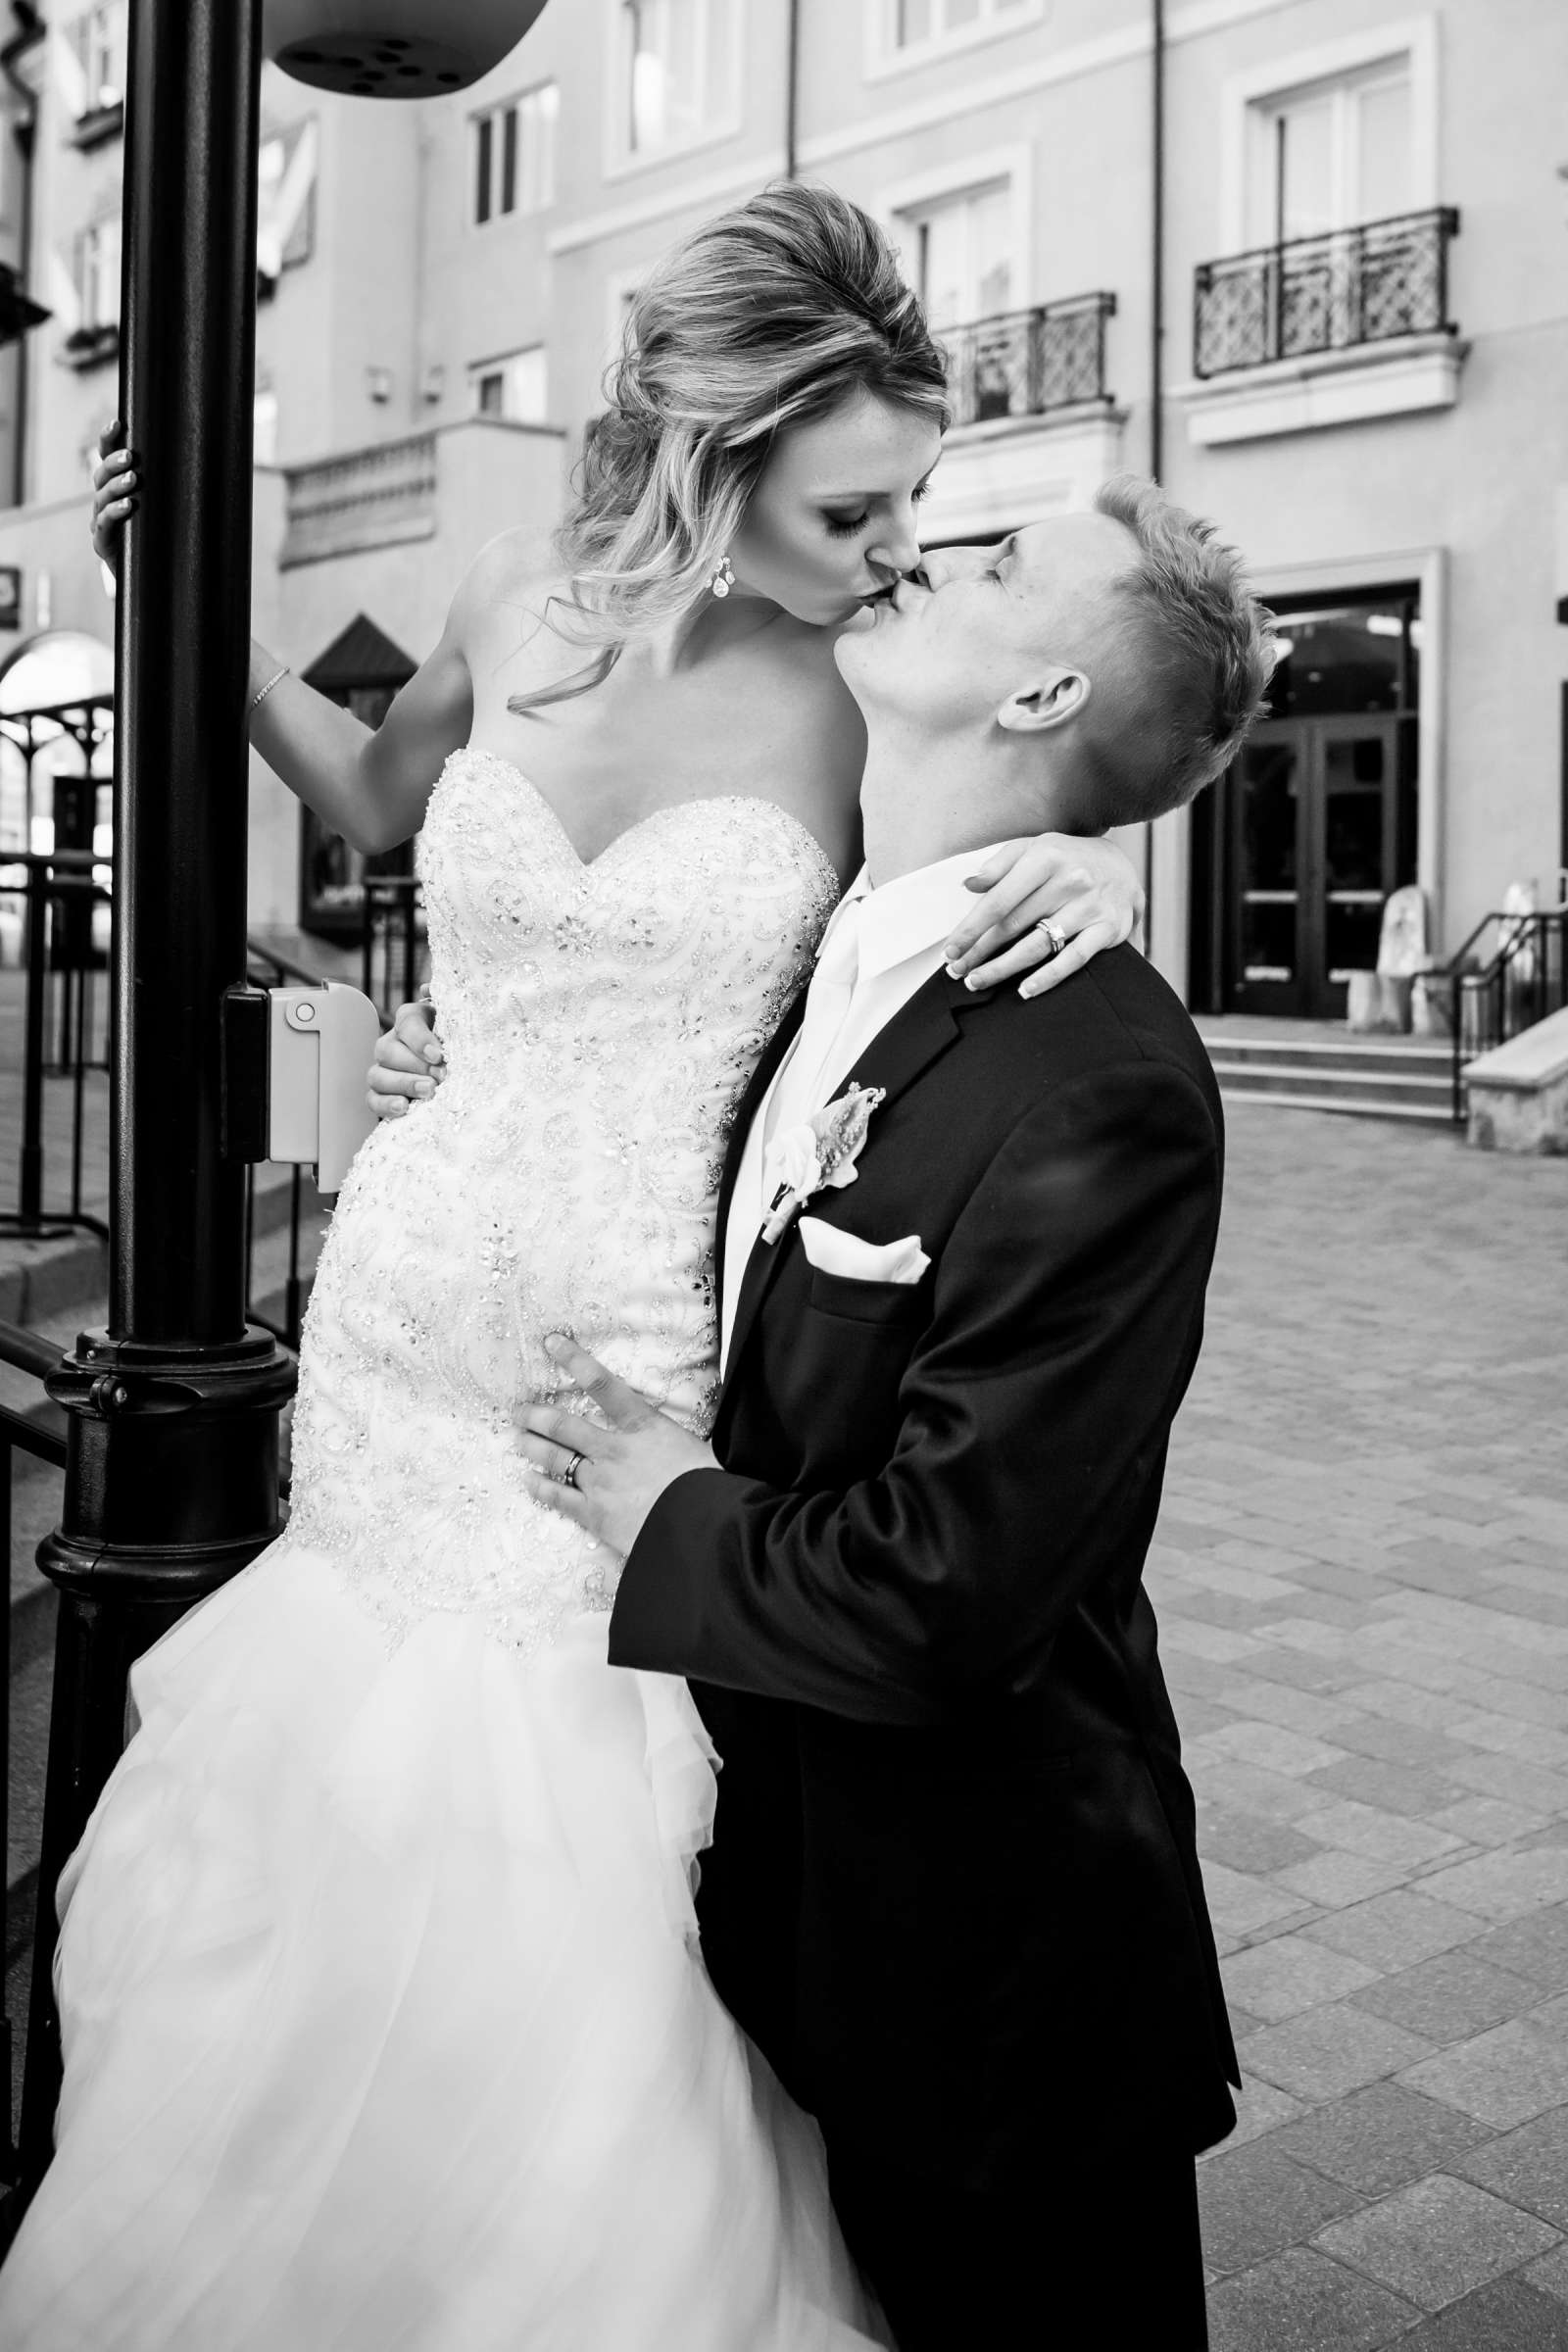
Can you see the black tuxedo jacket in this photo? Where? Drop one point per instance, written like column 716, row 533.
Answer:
column 953, row 1891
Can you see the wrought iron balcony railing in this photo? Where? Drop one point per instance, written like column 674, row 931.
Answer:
column 1359, row 286
column 1027, row 363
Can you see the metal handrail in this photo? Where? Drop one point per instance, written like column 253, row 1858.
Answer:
column 1462, row 957
column 1447, row 214
column 1528, row 973
column 24, row 1351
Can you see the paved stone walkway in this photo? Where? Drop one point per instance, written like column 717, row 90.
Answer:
column 1363, row 1580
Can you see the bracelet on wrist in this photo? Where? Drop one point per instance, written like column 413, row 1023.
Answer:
column 262, row 692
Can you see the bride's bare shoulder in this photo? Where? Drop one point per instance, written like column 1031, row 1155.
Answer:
column 516, row 571
column 501, row 613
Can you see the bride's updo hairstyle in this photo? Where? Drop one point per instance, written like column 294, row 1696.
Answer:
column 767, row 318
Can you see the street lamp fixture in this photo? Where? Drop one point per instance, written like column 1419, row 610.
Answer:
column 393, row 48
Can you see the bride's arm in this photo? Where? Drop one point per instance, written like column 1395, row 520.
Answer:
column 369, row 784
column 1086, row 887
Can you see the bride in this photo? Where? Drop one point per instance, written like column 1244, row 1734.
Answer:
column 385, row 2028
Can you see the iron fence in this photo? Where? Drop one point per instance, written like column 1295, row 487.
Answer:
column 65, row 906
column 63, row 903
column 1501, row 985
column 1329, row 293
column 1027, row 363
column 394, row 959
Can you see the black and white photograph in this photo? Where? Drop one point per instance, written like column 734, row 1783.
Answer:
column 784, row 1175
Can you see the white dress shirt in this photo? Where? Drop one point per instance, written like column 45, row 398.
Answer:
column 879, row 948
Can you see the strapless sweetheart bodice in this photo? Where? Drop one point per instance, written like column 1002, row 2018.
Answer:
column 600, row 1022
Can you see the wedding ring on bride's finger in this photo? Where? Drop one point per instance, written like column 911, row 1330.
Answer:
column 1055, row 934
column 568, row 1476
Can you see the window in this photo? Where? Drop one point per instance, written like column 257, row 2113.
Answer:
column 96, row 337
column 512, row 387
column 98, row 275
column 1333, row 155
column 679, row 70
column 285, row 218
column 95, row 47
column 911, row 28
column 515, row 155
column 959, row 251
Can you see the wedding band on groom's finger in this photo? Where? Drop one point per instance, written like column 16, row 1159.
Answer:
column 551, row 1458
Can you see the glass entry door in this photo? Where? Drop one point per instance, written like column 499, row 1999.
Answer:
column 1315, row 853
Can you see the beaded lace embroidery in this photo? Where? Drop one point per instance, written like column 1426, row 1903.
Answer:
column 600, row 1024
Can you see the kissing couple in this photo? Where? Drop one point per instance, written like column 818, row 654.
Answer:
column 731, row 1424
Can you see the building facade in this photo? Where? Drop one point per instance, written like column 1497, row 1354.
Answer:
column 1326, row 305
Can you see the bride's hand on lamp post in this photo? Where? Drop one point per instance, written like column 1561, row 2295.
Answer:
column 114, row 484
column 1083, row 886
column 607, row 1475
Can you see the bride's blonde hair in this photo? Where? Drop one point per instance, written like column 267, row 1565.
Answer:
column 768, row 317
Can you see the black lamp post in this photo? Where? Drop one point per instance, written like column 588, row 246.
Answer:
column 172, row 1471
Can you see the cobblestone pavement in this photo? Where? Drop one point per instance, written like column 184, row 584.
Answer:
column 1363, row 1581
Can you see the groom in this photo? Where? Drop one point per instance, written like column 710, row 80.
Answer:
column 953, row 1892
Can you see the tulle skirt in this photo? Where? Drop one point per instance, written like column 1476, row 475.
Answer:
column 384, row 2025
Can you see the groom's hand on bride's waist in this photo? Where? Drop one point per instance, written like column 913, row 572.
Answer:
column 606, row 1475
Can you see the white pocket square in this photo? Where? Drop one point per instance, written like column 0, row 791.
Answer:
column 836, row 1252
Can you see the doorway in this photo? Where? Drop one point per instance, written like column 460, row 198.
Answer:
column 1315, row 819
column 1298, row 847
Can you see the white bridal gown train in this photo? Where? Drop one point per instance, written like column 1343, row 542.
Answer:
column 384, row 2027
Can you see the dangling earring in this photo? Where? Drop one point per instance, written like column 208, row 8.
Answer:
column 723, row 579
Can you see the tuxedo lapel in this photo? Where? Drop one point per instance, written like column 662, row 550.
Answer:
column 918, row 1034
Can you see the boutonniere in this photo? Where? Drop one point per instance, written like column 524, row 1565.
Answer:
column 819, row 1155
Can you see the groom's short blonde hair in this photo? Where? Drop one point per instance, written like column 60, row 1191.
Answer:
column 1199, row 651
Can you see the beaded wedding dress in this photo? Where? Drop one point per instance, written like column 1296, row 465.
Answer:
column 384, row 2022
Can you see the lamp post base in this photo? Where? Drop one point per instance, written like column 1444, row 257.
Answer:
column 170, row 1488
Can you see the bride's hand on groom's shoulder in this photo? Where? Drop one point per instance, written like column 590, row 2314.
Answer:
column 409, row 1063
column 1084, row 888
column 607, row 1475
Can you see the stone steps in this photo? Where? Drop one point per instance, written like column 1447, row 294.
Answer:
column 1288, row 1067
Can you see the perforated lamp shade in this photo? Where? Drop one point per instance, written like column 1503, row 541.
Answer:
column 393, row 48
